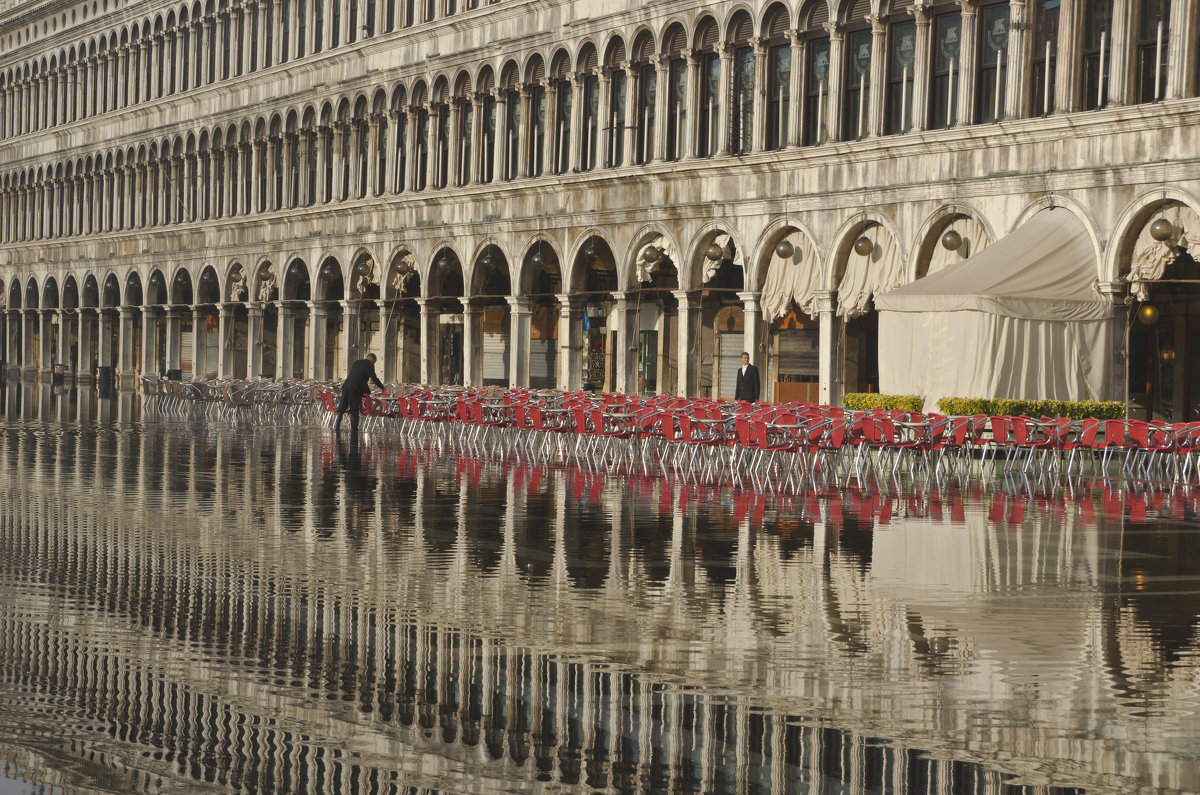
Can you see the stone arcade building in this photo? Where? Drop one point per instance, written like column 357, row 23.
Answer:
column 611, row 195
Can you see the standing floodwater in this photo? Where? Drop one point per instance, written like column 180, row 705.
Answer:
column 230, row 607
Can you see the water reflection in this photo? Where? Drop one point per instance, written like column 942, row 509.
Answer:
column 275, row 609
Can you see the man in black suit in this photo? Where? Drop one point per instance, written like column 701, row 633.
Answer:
column 747, row 381
column 353, row 388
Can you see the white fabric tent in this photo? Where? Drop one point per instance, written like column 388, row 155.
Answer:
column 1023, row 318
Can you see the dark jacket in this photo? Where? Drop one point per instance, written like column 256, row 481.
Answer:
column 747, row 385
column 356, row 383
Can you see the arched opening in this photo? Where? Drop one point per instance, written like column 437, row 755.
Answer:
column 595, row 281
column 155, row 318
column 402, row 335
column 445, row 292
column 180, row 328
column 208, row 348
column 133, row 341
column 542, row 284
column 295, row 323
column 328, row 332
column 491, row 318
column 721, row 338
column 654, row 313
column 868, row 264
column 33, row 331
column 363, row 319
column 1163, row 358
column 71, row 324
column 790, row 307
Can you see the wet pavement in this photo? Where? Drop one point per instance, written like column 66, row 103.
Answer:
column 255, row 608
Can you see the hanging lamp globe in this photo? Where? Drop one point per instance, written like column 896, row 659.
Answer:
column 590, row 253
column 486, row 261
column 863, row 246
column 714, row 252
column 1147, row 314
column 1162, row 230
column 652, row 254
column 537, row 260
column 951, row 240
column 784, row 249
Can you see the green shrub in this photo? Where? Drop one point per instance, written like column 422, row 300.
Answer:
column 1076, row 410
column 861, row 401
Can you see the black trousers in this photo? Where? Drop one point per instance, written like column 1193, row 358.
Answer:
column 351, row 401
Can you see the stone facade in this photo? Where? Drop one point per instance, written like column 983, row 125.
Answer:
column 540, row 194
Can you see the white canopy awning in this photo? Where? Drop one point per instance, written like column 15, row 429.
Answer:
column 1024, row 318
column 1043, row 270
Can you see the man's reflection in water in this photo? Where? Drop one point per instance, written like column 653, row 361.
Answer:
column 360, row 504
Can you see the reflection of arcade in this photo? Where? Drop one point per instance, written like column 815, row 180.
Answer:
column 482, row 611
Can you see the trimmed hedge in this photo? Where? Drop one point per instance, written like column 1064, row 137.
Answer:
column 1076, row 410
column 861, row 401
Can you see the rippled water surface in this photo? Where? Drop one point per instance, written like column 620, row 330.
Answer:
column 261, row 608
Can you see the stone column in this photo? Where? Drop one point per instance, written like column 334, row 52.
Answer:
column 472, row 343
column 478, row 158
column 199, row 342
column 624, row 379
column 225, row 343
column 878, row 78
column 662, row 88
column 431, row 148
column 254, row 340
column 1117, row 68
column 1181, row 54
column 833, row 102
column 303, row 156
column 829, row 366
column 752, row 328
column 498, row 140
column 373, row 155
column 318, row 315
column 1016, row 88
column 603, row 108
column 85, row 344
column 350, row 330
column 966, row 61
column 452, row 144
column 257, row 149
column 173, row 341
column 632, row 89
column 104, row 346
column 149, row 332
column 125, row 364
column 339, row 132
column 760, row 94
column 387, row 372
column 44, row 321
column 721, row 117
column 921, row 65
column 691, row 121
column 322, row 154
column 428, row 340
column 284, row 342
column 520, row 329
column 688, row 351
column 393, row 160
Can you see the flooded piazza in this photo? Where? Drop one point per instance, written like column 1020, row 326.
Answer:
column 256, row 607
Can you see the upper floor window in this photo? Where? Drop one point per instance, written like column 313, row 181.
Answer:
column 901, row 56
column 946, row 71
column 857, row 88
column 1153, row 30
column 991, row 65
column 1045, row 50
column 1097, row 53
